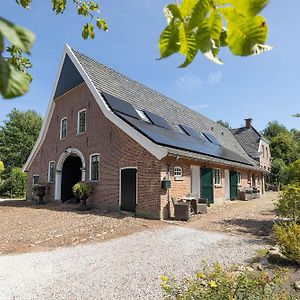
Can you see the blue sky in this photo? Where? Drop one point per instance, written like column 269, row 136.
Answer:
column 264, row 87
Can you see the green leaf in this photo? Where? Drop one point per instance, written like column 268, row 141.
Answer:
column 186, row 7
column 198, row 13
column 247, row 7
column 101, row 24
column 88, row 31
column 59, row 6
column 169, row 41
column 208, row 36
column 188, row 46
column 172, row 12
column 18, row 36
column 13, row 83
column 24, row 3
column 244, row 34
column 223, row 38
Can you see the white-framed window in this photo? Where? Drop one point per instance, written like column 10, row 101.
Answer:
column 142, row 115
column 51, row 167
column 35, row 179
column 95, row 166
column 239, row 176
column 81, row 121
column 178, row 173
column 218, row 177
column 63, row 128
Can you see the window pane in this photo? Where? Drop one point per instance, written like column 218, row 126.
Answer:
column 51, row 172
column 82, row 121
column 63, row 129
column 95, row 167
column 35, row 179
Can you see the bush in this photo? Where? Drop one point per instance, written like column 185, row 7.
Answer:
column 15, row 185
column 1, row 166
column 82, row 190
column 289, row 203
column 288, row 238
column 217, row 284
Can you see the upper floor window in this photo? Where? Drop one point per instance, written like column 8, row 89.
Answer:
column 218, row 177
column 94, row 166
column 51, row 171
column 63, row 128
column 81, row 121
column 178, row 173
column 267, row 152
column 263, row 151
column 239, row 176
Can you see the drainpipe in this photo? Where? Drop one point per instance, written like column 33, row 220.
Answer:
column 168, row 192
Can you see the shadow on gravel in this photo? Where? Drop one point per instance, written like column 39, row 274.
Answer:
column 257, row 228
column 62, row 207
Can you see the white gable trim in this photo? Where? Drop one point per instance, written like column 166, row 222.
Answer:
column 158, row 151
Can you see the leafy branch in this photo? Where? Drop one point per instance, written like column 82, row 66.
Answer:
column 207, row 25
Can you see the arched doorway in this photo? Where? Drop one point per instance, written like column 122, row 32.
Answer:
column 70, row 170
column 71, row 174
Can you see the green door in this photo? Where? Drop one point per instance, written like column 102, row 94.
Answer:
column 233, row 185
column 206, row 184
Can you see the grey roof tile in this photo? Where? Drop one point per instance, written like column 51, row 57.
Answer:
column 144, row 98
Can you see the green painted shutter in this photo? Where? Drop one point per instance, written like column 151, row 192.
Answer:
column 233, row 185
column 207, row 189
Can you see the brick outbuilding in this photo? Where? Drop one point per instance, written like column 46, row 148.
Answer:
column 126, row 139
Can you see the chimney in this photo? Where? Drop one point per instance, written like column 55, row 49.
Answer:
column 248, row 123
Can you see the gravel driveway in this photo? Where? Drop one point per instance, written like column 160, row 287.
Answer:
column 124, row 268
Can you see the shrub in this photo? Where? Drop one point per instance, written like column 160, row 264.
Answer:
column 289, row 202
column 82, row 190
column 15, row 185
column 218, row 284
column 288, row 238
column 1, row 166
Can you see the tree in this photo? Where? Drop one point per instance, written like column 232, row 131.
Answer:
column 294, row 172
column 224, row 123
column 273, row 129
column 193, row 26
column 18, row 136
column 278, row 171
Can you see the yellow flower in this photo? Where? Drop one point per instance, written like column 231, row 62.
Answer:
column 212, row 284
column 200, row 275
column 164, row 278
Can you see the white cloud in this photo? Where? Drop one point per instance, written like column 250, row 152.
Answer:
column 215, row 78
column 199, row 107
column 189, row 81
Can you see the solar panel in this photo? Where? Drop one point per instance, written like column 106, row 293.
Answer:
column 211, row 138
column 121, row 106
column 174, row 139
column 192, row 132
column 158, row 120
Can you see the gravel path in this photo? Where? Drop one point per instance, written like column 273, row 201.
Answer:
column 124, row 268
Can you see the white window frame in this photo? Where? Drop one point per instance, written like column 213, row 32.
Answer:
column 219, row 175
column 78, row 120
column 239, row 175
column 49, row 164
column 90, row 169
column 35, row 175
column 60, row 130
column 142, row 115
column 178, row 176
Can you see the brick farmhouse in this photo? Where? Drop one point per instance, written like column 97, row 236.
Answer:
column 129, row 141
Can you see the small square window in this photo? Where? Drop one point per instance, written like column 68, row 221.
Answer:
column 35, row 179
column 239, row 175
column 177, row 173
column 81, row 122
column 94, row 167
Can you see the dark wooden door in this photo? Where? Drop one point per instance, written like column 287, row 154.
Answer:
column 233, row 185
column 206, row 183
column 71, row 174
column 128, row 189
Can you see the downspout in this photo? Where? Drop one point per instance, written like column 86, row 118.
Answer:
column 168, row 192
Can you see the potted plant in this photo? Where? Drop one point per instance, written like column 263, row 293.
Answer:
column 82, row 191
column 40, row 190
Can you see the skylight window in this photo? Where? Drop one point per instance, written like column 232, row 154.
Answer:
column 142, row 115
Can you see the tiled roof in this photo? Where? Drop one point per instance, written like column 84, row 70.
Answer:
column 144, row 98
column 249, row 138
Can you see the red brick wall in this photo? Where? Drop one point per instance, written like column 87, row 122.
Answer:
column 116, row 149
